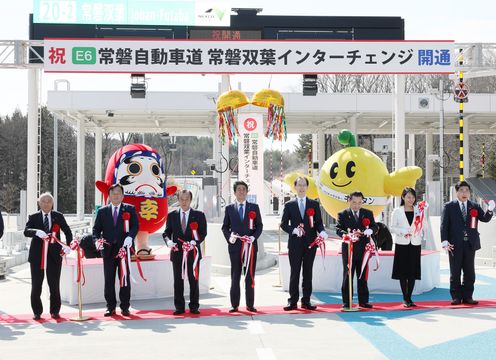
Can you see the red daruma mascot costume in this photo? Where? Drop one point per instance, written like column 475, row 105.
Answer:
column 140, row 171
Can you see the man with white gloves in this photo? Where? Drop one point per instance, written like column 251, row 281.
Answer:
column 460, row 237
column 242, row 226
column 116, row 225
column 302, row 220
column 44, row 253
column 187, row 227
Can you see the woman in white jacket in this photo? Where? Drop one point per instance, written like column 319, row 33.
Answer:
column 406, row 265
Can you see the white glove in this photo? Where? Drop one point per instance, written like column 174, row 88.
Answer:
column 232, row 239
column 491, row 205
column 66, row 250
column 170, row 243
column 368, row 232
column 298, row 231
column 41, row 234
column 323, row 234
column 252, row 239
column 192, row 242
column 445, row 244
column 128, row 241
column 99, row 245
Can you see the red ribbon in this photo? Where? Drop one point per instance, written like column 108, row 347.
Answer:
column 122, row 256
column 252, row 215
column 187, row 247
column 50, row 239
column 350, row 239
column 366, row 222
column 247, row 255
column 473, row 215
column 320, row 242
column 370, row 251
column 138, row 264
column 75, row 245
column 310, row 213
column 419, row 218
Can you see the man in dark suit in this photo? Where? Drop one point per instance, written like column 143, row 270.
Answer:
column 351, row 219
column 39, row 228
column 302, row 220
column 185, row 226
column 1, row 225
column 460, row 237
column 110, row 225
column 242, row 219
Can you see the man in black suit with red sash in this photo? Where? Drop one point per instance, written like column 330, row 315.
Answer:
column 185, row 230
column 302, row 220
column 117, row 224
column 45, row 253
column 242, row 227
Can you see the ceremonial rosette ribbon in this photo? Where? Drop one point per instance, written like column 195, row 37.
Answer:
column 126, row 216
column 310, row 214
column 251, row 216
column 75, row 245
column 320, row 242
column 247, row 255
column 473, row 218
column 194, row 230
column 187, row 247
column 419, row 216
column 366, row 222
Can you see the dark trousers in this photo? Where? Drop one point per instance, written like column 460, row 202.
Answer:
column 301, row 260
column 110, row 266
column 462, row 259
column 407, row 286
column 236, row 269
column 356, row 266
column 194, row 290
column 53, row 270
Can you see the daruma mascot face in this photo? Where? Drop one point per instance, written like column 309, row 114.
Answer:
column 140, row 171
column 141, row 174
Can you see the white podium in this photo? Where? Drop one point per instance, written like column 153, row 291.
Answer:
column 158, row 273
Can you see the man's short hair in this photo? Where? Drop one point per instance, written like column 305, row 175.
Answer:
column 356, row 194
column 115, row 186
column 238, row 183
column 460, row 184
column 299, row 178
column 185, row 191
column 45, row 195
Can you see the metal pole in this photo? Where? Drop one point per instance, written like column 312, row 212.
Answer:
column 55, row 161
column 441, row 144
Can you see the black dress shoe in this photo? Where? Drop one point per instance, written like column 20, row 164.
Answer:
column 125, row 312
column 194, row 311
column 470, row 302
column 37, row 317
column 290, row 307
column 251, row 309
column 412, row 304
column 456, row 302
column 233, row 309
column 365, row 305
column 406, row 304
column 109, row 312
column 346, row 306
column 308, row 306
column 55, row 316
column 178, row 312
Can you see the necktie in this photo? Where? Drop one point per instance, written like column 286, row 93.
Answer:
column 240, row 211
column 302, row 208
column 115, row 215
column 464, row 211
column 46, row 226
column 356, row 215
column 183, row 222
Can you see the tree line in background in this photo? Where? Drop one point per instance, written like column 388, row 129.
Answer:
column 193, row 151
